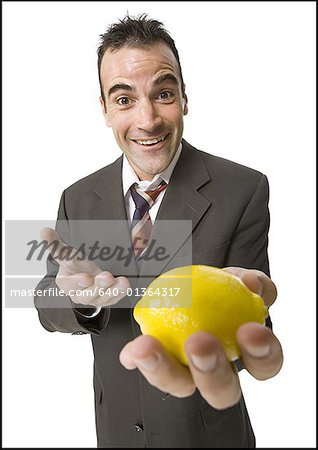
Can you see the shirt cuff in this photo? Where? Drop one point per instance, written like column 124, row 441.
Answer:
column 89, row 312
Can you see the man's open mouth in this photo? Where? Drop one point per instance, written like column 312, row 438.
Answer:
column 150, row 142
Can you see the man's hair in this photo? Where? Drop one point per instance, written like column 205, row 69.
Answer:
column 135, row 32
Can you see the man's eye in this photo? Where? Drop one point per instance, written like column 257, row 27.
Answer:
column 123, row 101
column 165, row 95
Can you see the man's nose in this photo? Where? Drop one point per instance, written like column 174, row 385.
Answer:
column 148, row 117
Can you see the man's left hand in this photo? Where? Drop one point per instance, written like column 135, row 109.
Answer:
column 209, row 370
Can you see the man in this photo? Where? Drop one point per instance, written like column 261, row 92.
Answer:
column 163, row 403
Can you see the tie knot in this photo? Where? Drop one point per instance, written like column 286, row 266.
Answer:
column 145, row 199
column 153, row 194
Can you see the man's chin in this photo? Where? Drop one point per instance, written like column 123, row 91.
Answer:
column 150, row 164
column 148, row 171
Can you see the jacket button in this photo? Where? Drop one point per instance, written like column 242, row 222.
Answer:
column 138, row 427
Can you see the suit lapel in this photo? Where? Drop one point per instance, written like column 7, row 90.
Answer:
column 110, row 206
column 109, row 190
column 182, row 201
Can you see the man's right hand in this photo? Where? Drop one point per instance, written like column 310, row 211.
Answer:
column 82, row 280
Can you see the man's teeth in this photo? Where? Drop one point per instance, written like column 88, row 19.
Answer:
column 150, row 141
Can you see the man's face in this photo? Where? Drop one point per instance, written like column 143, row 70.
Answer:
column 144, row 105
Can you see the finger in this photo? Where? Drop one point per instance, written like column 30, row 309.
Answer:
column 158, row 366
column 111, row 292
column 261, row 351
column 213, row 374
column 106, row 290
column 257, row 281
column 77, row 282
column 89, row 294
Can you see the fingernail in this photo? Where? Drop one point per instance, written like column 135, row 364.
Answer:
column 205, row 363
column 103, row 283
column 258, row 352
column 150, row 363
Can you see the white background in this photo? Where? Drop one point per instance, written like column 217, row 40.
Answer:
column 249, row 69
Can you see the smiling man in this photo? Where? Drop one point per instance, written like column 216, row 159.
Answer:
column 145, row 104
column 143, row 396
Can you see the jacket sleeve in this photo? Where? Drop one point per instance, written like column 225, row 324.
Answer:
column 250, row 241
column 56, row 312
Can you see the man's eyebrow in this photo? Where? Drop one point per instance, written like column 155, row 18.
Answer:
column 165, row 77
column 126, row 87
column 119, row 86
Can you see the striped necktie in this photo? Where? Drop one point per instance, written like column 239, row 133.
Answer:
column 141, row 222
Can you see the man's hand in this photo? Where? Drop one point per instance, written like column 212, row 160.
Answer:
column 83, row 280
column 209, row 369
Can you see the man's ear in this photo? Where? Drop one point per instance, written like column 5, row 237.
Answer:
column 185, row 105
column 104, row 110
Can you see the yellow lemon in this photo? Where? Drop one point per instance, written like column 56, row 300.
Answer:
column 197, row 298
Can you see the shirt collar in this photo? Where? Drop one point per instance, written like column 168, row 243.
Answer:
column 129, row 175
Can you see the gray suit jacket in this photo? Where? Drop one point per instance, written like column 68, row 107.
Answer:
column 228, row 206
